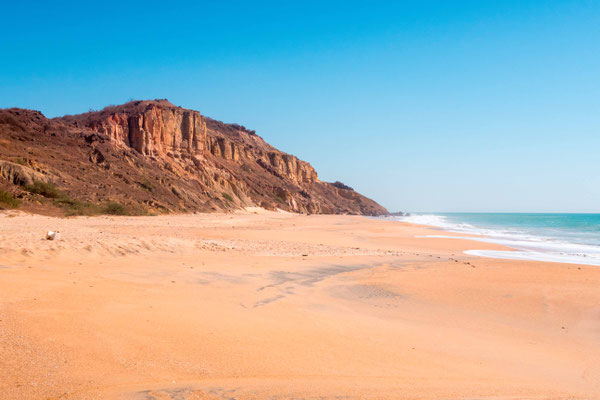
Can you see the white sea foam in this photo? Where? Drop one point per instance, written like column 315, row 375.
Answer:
column 425, row 219
column 535, row 256
column 527, row 246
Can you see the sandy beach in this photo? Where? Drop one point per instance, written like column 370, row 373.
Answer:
column 278, row 306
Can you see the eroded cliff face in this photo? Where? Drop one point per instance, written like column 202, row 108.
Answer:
column 154, row 128
column 173, row 159
column 160, row 129
column 278, row 163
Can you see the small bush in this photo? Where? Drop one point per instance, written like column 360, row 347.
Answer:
column 139, row 210
column 45, row 189
column 114, row 208
column 7, row 200
column 227, row 197
column 340, row 185
column 246, row 167
column 76, row 207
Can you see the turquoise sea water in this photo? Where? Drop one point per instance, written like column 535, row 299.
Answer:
column 572, row 238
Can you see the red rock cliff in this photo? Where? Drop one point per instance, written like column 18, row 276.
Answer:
column 158, row 128
column 170, row 159
column 153, row 128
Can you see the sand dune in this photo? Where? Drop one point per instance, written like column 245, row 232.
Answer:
column 278, row 306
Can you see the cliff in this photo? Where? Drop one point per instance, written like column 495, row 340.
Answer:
column 164, row 158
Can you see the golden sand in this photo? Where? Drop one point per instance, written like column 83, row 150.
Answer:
column 278, row 306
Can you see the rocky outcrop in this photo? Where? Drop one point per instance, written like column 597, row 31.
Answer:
column 158, row 128
column 20, row 174
column 152, row 128
column 170, row 159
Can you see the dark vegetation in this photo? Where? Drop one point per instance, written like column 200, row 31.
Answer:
column 340, row 185
column 7, row 200
column 243, row 128
column 76, row 207
column 45, row 189
column 227, row 197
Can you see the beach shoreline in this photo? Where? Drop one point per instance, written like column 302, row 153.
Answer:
column 278, row 305
column 569, row 238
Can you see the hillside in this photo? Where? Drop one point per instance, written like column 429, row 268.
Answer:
column 153, row 157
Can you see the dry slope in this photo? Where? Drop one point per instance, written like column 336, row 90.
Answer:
column 154, row 156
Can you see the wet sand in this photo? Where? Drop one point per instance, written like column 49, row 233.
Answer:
column 281, row 306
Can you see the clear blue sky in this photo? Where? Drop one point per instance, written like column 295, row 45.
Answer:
column 422, row 105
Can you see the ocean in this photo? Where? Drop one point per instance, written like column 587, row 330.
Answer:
column 567, row 238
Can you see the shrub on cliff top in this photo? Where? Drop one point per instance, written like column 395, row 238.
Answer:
column 340, row 185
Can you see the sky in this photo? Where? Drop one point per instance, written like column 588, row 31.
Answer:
column 430, row 106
